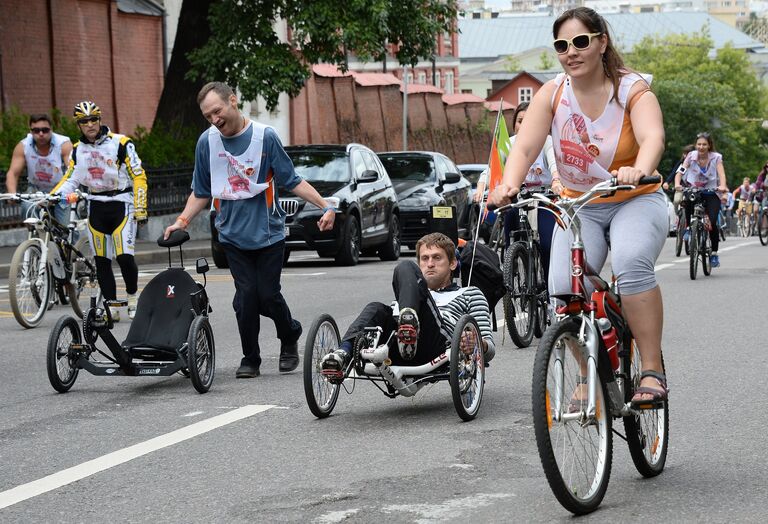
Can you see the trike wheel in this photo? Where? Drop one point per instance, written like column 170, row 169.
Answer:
column 29, row 289
column 201, row 354
column 520, row 313
column 467, row 369
column 322, row 338
column 575, row 450
column 648, row 430
column 60, row 361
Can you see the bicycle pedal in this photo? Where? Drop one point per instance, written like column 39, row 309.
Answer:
column 334, row 376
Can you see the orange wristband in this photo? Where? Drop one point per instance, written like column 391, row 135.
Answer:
column 183, row 220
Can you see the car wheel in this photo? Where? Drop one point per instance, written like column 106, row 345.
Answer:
column 391, row 248
column 349, row 254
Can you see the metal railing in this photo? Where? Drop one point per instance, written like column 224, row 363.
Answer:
column 168, row 190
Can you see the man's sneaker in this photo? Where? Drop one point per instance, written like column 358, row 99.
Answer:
column 132, row 301
column 408, row 333
column 115, row 314
column 687, row 235
column 333, row 365
column 714, row 260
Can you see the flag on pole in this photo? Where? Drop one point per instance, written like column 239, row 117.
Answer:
column 499, row 153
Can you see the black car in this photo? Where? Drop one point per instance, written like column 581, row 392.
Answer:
column 352, row 179
column 423, row 179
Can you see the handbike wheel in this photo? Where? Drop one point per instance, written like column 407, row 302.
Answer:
column 322, row 338
column 29, row 290
column 201, row 354
column 704, row 249
column 576, row 452
column 520, row 302
column 762, row 227
column 647, row 431
column 541, row 299
column 467, row 368
column 60, row 363
column 77, row 299
column 693, row 266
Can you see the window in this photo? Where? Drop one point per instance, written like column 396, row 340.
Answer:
column 409, row 78
column 437, row 78
column 422, row 77
column 524, row 94
column 370, row 163
column 358, row 163
column 449, row 82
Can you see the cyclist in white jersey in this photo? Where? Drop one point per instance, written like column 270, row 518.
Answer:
column 45, row 155
column 745, row 194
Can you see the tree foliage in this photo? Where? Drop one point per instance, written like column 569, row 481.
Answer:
column 699, row 92
column 245, row 51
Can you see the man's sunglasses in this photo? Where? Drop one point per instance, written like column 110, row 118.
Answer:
column 88, row 120
column 43, row 130
column 579, row 42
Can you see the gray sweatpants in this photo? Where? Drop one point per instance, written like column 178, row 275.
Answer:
column 637, row 229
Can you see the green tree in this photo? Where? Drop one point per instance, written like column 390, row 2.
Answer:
column 697, row 92
column 546, row 62
column 512, row 64
column 244, row 50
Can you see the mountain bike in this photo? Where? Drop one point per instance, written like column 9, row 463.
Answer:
column 526, row 301
column 699, row 243
column 46, row 259
column 591, row 348
column 745, row 223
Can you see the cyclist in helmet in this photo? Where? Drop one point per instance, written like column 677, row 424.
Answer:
column 107, row 164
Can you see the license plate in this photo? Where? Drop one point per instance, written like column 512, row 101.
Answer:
column 287, row 231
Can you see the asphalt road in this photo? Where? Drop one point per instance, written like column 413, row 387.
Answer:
column 154, row 450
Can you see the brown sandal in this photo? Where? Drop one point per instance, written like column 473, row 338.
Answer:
column 658, row 395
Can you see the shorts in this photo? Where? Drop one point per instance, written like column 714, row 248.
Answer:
column 111, row 228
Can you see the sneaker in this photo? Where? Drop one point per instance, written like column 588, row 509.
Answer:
column 408, row 333
column 687, row 235
column 132, row 301
column 333, row 365
column 714, row 260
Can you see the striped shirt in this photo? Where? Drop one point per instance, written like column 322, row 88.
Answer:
column 453, row 302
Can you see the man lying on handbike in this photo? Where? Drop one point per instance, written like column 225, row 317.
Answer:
column 430, row 305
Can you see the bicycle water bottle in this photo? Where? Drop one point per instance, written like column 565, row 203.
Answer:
column 611, row 341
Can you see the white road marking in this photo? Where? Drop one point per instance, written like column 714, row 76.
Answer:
column 663, row 266
column 737, row 246
column 193, row 414
column 336, row 516
column 110, row 460
column 303, row 274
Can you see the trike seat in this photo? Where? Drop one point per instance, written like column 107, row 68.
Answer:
column 163, row 316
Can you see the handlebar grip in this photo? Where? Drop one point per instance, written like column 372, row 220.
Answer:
column 648, row 180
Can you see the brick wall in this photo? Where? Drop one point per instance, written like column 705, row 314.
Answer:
column 113, row 58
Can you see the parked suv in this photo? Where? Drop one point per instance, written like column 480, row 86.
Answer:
column 423, row 179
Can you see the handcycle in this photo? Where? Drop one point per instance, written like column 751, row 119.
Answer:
column 590, row 345
column 49, row 262
column 462, row 364
column 699, row 243
column 171, row 332
column 526, row 301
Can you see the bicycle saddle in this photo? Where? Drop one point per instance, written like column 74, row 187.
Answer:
column 176, row 238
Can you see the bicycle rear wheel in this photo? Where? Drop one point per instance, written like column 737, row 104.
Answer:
column 647, row 430
column 29, row 289
column 693, row 243
column 762, row 227
column 679, row 234
column 705, row 250
column 519, row 301
column 576, row 452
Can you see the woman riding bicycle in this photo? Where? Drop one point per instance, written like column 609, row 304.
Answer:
column 540, row 175
column 704, row 169
column 604, row 121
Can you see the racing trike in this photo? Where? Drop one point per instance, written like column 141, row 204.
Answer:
column 170, row 333
column 462, row 364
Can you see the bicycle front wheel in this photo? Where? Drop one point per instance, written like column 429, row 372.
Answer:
column 647, row 430
column 83, row 276
column 541, row 300
column 762, row 227
column 576, row 451
column 519, row 301
column 693, row 244
column 679, row 235
column 705, row 250
column 29, row 285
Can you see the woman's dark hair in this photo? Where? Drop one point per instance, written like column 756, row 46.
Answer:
column 708, row 138
column 613, row 65
column 519, row 109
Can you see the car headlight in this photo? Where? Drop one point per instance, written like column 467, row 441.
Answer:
column 332, row 201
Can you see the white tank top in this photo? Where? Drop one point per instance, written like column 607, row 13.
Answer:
column 704, row 177
column 44, row 172
column 236, row 177
column 585, row 148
